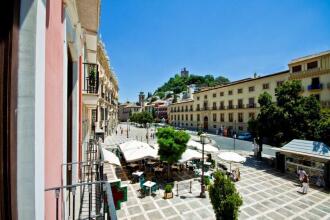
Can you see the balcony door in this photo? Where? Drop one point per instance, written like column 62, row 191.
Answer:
column 206, row 123
column 8, row 104
column 69, row 117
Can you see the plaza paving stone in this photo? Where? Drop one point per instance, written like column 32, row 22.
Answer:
column 169, row 211
column 266, row 193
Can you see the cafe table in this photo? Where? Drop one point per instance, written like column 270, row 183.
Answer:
column 149, row 184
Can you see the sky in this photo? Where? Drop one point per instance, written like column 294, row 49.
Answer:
column 149, row 41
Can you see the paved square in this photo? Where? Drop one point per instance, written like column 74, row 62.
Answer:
column 266, row 193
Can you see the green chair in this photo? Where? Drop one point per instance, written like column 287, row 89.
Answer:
column 154, row 188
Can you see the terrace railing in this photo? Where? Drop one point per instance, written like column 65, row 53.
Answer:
column 91, row 195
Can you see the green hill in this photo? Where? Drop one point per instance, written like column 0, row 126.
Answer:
column 178, row 84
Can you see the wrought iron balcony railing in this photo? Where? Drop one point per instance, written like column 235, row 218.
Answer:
column 315, row 87
column 91, row 78
column 251, row 105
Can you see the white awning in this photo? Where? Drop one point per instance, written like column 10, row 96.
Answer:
column 207, row 147
column 136, row 150
column 109, row 157
column 190, row 154
column 231, row 157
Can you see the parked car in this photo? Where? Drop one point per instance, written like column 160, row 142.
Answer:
column 245, row 136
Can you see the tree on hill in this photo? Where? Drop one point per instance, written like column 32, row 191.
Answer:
column 175, row 99
column 160, row 94
column 154, row 98
column 178, row 84
column 169, row 95
column 224, row 197
column 172, row 144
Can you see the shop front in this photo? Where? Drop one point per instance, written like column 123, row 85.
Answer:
column 311, row 156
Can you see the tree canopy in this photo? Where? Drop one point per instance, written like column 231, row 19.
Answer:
column 141, row 117
column 224, row 197
column 291, row 116
column 178, row 84
column 172, row 144
column 323, row 129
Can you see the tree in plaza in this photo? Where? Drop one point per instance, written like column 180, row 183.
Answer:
column 142, row 118
column 224, row 197
column 145, row 117
column 323, row 129
column 292, row 116
column 172, row 144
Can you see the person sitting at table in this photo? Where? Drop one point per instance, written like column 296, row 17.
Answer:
column 320, row 181
column 233, row 175
column 238, row 173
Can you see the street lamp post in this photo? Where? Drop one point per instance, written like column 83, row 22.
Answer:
column 235, row 136
column 202, row 194
column 127, row 127
column 147, row 133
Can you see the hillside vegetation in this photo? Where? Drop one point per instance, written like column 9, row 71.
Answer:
column 178, row 84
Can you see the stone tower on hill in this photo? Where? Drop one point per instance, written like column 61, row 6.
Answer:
column 184, row 72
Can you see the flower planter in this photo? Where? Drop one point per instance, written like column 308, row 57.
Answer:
column 168, row 195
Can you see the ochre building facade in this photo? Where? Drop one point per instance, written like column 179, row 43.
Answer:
column 228, row 108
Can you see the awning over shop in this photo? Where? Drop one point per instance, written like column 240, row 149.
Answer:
column 306, row 148
column 136, row 150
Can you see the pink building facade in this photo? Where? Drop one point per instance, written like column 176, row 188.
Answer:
column 47, row 43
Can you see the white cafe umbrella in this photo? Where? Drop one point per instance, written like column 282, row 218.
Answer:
column 207, row 147
column 136, row 150
column 109, row 157
column 231, row 157
column 190, row 154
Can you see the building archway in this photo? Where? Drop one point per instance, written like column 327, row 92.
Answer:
column 206, row 123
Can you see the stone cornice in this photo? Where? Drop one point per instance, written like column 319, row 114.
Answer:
column 309, row 73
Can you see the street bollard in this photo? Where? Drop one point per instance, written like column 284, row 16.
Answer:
column 177, row 189
column 190, row 187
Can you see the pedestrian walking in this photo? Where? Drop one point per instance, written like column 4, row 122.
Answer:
column 305, row 185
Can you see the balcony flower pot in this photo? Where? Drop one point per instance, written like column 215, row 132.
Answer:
column 168, row 194
column 92, row 77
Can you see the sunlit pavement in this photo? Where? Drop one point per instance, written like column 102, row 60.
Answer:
column 266, row 193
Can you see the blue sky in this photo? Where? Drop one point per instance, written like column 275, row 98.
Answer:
column 148, row 41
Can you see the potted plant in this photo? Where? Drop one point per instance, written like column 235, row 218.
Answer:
column 92, row 77
column 168, row 194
